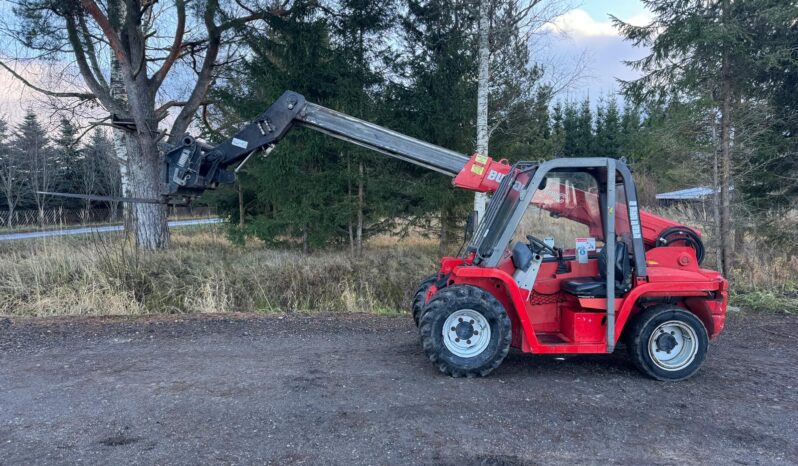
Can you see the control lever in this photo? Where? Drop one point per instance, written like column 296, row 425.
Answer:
column 562, row 266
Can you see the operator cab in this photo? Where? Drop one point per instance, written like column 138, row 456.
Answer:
column 596, row 287
column 568, row 232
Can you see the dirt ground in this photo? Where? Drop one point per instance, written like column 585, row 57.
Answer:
column 356, row 389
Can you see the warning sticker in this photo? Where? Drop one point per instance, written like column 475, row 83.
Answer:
column 240, row 143
column 583, row 245
column 588, row 243
column 480, row 158
column 477, row 169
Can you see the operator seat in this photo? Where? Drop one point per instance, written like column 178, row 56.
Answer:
column 596, row 287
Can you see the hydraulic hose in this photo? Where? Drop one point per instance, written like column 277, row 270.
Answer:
column 686, row 235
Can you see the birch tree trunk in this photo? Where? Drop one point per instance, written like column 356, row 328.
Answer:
column 120, row 152
column 715, row 197
column 240, row 205
column 483, row 91
column 726, row 247
column 119, row 93
column 725, row 177
column 443, row 244
column 349, row 196
column 360, row 206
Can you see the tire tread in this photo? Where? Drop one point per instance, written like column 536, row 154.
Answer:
column 638, row 342
column 451, row 297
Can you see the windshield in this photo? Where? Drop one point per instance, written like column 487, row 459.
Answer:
column 564, row 212
column 501, row 208
column 569, row 200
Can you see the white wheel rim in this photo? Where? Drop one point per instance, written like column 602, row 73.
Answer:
column 673, row 345
column 466, row 333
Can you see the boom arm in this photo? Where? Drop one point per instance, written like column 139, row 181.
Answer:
column 192, row 167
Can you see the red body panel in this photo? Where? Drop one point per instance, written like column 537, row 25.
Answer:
column 548, row 320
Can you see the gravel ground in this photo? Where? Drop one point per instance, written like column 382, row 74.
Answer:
column 356, row 389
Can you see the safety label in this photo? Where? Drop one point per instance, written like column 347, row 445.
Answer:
column 583, row 246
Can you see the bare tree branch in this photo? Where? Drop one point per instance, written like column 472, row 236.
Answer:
column 91, row 126
column 102, row 20
column 174, row 53
column 88, row 41
column 101, row 92
column 74, row 95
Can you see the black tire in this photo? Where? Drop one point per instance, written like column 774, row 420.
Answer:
column 640, row 341
column 458, row 298
column 419, row 296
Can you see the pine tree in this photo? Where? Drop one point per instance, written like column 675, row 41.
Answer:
column 99, row 170
column 436, row 103
column 66, row 161
column 557, row 129
column 13, row 176
column 301, row 191
column 608, row 129
column 705, row 53
column 570, row 132
column 357, row 28
column 32, row 143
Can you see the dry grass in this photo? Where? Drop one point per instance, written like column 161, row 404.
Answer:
column 204, row 273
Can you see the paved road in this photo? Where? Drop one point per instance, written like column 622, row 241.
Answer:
column 357, row 390
column 99, row 229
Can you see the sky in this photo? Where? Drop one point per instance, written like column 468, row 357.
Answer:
column 587, row 31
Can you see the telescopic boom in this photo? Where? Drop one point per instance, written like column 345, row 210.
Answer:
column 192, row 167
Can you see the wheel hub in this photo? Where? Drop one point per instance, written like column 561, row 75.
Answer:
column 464, row 330
column 466, row 333
column 673, row 345
column 666, row 342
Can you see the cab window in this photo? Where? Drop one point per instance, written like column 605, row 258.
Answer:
column 565, row 209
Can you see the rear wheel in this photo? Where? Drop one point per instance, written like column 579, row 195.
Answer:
column 465, row 331
column 668, row 343
column 420, row 296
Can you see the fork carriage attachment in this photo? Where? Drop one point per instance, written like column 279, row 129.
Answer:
column 645, row 287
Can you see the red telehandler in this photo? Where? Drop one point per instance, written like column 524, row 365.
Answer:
column 643, row 286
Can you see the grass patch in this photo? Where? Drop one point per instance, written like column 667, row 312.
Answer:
column 766, row 301
column 203, row 273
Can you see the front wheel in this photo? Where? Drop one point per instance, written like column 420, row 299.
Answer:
column 668, row 343
column 465, row 331
column 420, row 296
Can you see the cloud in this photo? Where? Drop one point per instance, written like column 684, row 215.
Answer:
column 642, row 19
column 578, row 25
column 600, row 46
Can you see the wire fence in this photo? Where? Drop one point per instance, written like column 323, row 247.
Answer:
column 60, row 217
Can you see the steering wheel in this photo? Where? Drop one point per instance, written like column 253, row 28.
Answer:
column 541, row 246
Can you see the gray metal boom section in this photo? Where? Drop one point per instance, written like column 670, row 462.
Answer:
column 377, row 138
column 191, row 167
